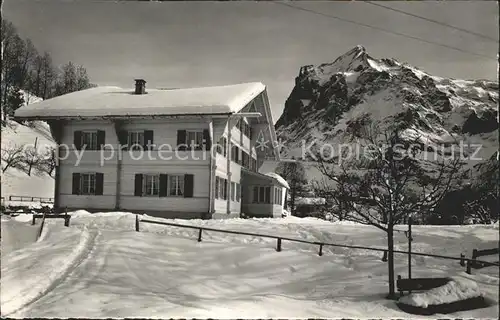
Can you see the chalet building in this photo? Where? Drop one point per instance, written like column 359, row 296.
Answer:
column 184, row 153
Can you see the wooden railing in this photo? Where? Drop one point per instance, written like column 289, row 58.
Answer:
column 473, row 263
column 31, row 199
column 279, row 240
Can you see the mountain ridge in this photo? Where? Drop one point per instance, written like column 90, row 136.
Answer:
column 331, row 99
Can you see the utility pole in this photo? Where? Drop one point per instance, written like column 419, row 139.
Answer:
column 32, row 157
column 410, row 239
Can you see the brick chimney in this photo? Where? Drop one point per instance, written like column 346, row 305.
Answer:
column 140, row 86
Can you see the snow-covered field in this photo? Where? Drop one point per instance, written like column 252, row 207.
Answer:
column 100, row 267
column 15, row 181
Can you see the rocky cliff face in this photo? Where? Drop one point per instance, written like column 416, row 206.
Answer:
column 335, row 99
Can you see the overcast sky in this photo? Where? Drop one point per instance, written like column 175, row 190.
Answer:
column 185, row 44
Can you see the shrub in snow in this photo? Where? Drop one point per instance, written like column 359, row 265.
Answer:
column 455, row 290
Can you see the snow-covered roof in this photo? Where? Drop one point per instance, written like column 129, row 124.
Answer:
column 278, row 178
column 115, row 101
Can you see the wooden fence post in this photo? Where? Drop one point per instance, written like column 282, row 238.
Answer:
column 137, row 223
column 471, row 262
column 279, row 245
column 384, row 257
column 199, row 235
column 320, row 253
column 462, row 260
column 474, row 256
column 41, row 227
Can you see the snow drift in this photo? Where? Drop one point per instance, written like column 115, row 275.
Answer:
column 457, row 289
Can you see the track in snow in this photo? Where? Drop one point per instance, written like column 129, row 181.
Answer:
column 83, row 250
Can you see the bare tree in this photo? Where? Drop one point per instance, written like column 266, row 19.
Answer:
column 334, row 196
column 387, row 184
column 483, row 205
column 294, row 173
column 26, row 60
column 35, row 159
column 13, row 156
column 10, row 41
column 48, row 161
column 48, row 77
column 35, row 76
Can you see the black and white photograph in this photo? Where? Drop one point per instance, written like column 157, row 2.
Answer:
column 249, row 159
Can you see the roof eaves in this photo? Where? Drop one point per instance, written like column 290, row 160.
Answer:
column 260, row 175
column 106, row 117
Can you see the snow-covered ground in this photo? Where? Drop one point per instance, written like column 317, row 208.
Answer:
column 100, row 267
column 17, row 182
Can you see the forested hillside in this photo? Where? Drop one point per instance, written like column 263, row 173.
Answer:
column 25, row 68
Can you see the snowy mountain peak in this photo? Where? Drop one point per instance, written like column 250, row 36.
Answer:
column 356, row 52
column 354, row 60
column 349, row 64
column 331, row 100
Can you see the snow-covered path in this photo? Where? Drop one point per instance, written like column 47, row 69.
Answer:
column 100, row 267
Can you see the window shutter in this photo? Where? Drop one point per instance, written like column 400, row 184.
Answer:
column 77, row 140
column 76, row 183
column 206, row 137
column 138, row 185
column 181, row 139
column 148, row 139
column 99, row 184
column 221, row 188
column 224, row 146
column 101, row 139
column 225, row 189
column 123, row 139
column 255, row 195
column 238, row 192
column 188, row 185
column 163, row 185
column 216, row 187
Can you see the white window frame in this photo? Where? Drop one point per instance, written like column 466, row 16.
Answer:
column 92, row 183
column 178, row 190
column 154, row 181
column 139, row 136
column 93, row 139
column 197, row 134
